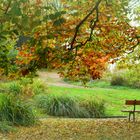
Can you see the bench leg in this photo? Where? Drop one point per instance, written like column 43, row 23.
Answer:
column 134, row 117
column 129, row 116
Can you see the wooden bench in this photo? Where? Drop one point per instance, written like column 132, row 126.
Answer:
column 134, row 103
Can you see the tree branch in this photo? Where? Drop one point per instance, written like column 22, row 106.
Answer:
column 2, row 9
column 95, row 8
column 8, row 6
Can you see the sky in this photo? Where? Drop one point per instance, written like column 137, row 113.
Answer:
column 132, row 5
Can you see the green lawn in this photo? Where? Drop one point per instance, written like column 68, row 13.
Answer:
column 114, row 98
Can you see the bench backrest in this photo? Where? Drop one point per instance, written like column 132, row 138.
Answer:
column 132, row 102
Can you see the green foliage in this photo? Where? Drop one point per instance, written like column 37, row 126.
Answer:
column 25, row 81
column 39, row 87
column 25, row 87
column 16, row 111
column 127, row 77
column 7, row 55
column 49, row 26
column 6, row 127
column 58, row 106
column 70, row 73
column 14, row 102
column 114, row 96
column 95, row 109
column 15, row 88
column 67, row 106
column 117, row 80
column 133, row 77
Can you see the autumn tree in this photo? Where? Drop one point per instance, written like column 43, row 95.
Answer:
column 82, row 35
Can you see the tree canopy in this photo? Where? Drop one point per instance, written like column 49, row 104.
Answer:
column 78, row 37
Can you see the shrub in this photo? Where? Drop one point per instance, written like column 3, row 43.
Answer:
column 16, row 111
column 35, row 86
column 133, row 77
column 70, row 107
column 24, row 87
column 136, row 84
column 127, row 77
column 23, row 90
column 117, row 80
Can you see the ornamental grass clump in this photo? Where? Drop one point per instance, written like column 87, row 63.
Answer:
column 15, row 88
column 39, row 87
column 58, row 105
column 72, row 107
column 93, row 108
column 16, row 111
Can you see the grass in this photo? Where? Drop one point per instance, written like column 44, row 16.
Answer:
column 16, row 111
column 111, row 129
column 114, row 98
column 98, row 83
column 70, row 107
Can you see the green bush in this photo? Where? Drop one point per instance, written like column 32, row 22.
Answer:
column 117, row 80
column 16, row 111
column 133, row 77
column 67, row 106
column 24, row 87
column 36, row 86
column 136, row 84
column 127, row 77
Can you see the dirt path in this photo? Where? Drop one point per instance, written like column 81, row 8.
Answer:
column 52, row 78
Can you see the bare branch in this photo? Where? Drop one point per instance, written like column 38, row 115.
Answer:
column 81, row 23
column 8, row 6
column 2, row 9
